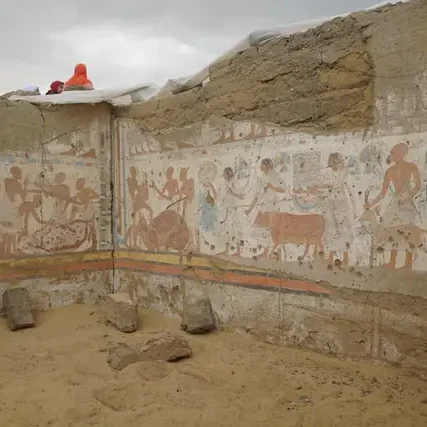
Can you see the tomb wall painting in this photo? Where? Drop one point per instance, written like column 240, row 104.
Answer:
column 51, row 200
column 250, row 191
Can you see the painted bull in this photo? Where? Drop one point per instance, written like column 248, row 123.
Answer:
column 168, row 230
column 296, row 229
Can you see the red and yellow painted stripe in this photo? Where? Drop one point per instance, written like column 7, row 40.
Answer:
column 196, row 267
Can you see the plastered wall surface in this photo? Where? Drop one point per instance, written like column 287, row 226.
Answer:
column 347, row 198
column 326, row 230
column 54, row 195
column 291, row 189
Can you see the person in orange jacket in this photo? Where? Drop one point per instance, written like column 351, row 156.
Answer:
column 79, row 80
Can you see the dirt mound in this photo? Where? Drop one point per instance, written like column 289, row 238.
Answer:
column 57, row 375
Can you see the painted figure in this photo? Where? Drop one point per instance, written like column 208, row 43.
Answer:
column 189, row 210
column 63, row 232
column 170, row 189
column 139, row 194
column 61, row 194
column 168, row 231
column 269, row 193
column 338, row 208
column 13, row 195
column 232, row 228
column 208, row 211
column 85, row 211
column 30, row 209
column 186, row 191
column 402, row 181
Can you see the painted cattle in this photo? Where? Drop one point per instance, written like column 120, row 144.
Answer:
column 288, row 228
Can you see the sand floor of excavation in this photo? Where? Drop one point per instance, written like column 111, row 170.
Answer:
column 52, row 375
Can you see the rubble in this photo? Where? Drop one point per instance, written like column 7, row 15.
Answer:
column 162, row 346
column 197, row 316
column 16, row 303
column 119, row 310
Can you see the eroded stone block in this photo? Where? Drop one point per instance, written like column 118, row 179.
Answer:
column 197, row 316
column 162, row 346
column 16, row 303
column 121, row 312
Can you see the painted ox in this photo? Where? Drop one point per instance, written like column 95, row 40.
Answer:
column 288, row 228
column 167, row 231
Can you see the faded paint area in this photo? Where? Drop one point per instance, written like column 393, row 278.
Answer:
column 64, row 289
column 318, row 241
column 339, row 327
column 54, row 195
column 55, row 265
column 48, row 207
column 353, row 200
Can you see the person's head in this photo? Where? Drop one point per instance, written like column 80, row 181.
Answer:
column 169, row 172
column 266, row 165
column 398, row 152
column 80, row 70
column 228, row 174
column 133, row 172
column 16, row 172
column 183, row 174
column 335, row 161
column 60, row 178
column 57, row 86
column 80, row 184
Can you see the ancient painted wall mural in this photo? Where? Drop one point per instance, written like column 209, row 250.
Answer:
column 250, row 191
column 50, row 200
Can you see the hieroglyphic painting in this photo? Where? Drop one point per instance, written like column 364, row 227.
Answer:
column 348, row 200
column 47, row 206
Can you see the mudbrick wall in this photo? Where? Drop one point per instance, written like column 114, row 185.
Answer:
column 291, row 189
column 55, row 202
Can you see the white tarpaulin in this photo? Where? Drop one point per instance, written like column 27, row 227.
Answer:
column 88, row 96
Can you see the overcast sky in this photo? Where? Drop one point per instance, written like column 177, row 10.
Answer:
column 126, row 42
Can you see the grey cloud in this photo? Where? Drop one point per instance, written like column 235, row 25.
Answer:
column 211, row 26
column 27, row 18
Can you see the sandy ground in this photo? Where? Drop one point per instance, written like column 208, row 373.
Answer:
column 56, row 375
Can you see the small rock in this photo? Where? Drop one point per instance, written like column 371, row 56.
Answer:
column 16, row 303
column 121, row 355
column 121, row 311
column 163, row 346
column 197, row 316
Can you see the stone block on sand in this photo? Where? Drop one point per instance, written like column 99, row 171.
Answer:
column 197, row 316
column 162, row 346
column 121, row 312
column 16, row 303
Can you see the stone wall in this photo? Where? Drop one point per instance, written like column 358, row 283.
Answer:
column 291, row 189
column 55, row 198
